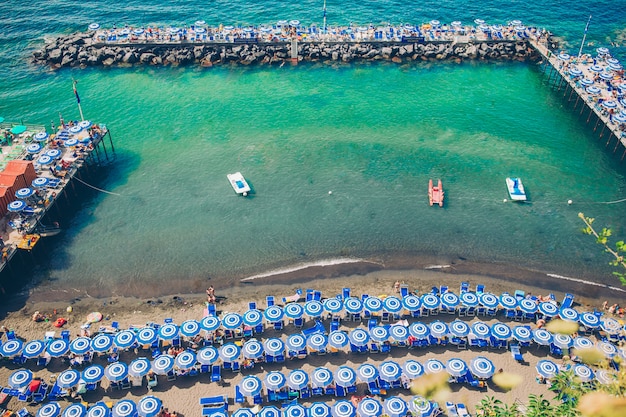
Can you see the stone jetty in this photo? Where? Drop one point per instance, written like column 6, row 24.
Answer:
column 85, row 50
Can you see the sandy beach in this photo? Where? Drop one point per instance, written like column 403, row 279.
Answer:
column 182, row 395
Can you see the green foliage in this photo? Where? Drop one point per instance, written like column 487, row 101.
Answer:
column 602, row 238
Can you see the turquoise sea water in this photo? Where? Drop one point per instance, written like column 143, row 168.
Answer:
column 371, row 134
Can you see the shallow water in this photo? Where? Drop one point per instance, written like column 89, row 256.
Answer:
column 371, row 134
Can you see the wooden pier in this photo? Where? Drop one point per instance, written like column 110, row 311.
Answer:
column 558, row 76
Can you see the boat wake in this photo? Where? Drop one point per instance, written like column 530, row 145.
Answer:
column 582, row 281
column 299, row 267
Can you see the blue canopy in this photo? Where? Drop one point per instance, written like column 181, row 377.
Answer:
column 589, row 320
column 489, row 300
column 482, row 367
column 149, row 406
column 190, row 328
column 146, row 336
column 379, row 333
column 296, row 342
column 343, row 408
column 395, row 407
column 125, row 339
column 562, row 341
column 34, row 348
column 207, row 355
column 392, row 305
column 398, row 333
column 345, row 376
column 547, row 369
column 332, row 305
column 528, row 306
column 52, row 409
column 20, row 378
column 481, row 330
column 269, row 411
column 185, row 359
column 459, row 328
column 16, row 206
column 359, row 337
column 373, row 304
column 522, row 333
column 124, row 408
column 367, row 372
column 75, row 410
column 438, row 329
column 542, row 337
column 24, row 193
column 319, row 409
column 210, row 323
column 294, row 410
column 274, row 346
column 369, row 407
column 298, row 379
column 469, row 299
column 353, row 305
column 116, row 372
column 508, row 302
column 139, row 367
column 163, row 364
column 68, row 378
column 232, row 321
column 294, row 311
column 92, row 374
column 583, row 372
column 322, row 377
column 449, row 300
column 501, row 331
column 412, row 369
column 168, row 331
column 313, row 308
column 390, row 371
column 317, row 341
column 229, row 352
column 411, row 302
column 250, row 385
column 582, row 342
column 338, row 339
column 568, row 314
column 419, row 330
column 456, row 367
column 252, row 349
column 273, row 314
column 99, row 409
column 101, row 342
column 432, row 366
column 80, row 345
column 58, row 347
column 275, row 380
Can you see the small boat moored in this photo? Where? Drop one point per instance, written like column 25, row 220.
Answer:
column 435, row 193
column 516, row 189
column 239, row 183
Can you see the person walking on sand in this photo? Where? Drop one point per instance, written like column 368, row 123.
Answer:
column 210, row 293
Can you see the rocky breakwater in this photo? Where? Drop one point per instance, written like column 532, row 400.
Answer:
column 80, row 50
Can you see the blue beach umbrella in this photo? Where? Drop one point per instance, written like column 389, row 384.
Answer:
column 52, row 409
column 395, row 407
column 298, row 379
column 273, row 314
column 75, row 410
column 583, row 372
column 606, row 76
column 430, row 301
column 575, row 72
column 275, row 380
column 252, row 349
column 501, row 331
column 508, row 302
column 586, row 82
column 528, row 306
column 92, row 374
column 232, row 321
column 58, row 347
column 24, row 193
column 322, row 377
column 294, row 410
column 34, row 348
column 163, row 364
column 332, row 305
column 369, row 407
column 124, row 408
column 139, row 367
column 269, row 411
column 522, row 334
column 101, row 343
column 582, row 342
column 398, row 333
column 367, row 373
column 207, row 355
column 359, row 337
column 459, row 328
column 482, row 367
column 610, row 325
column 568, row 314
column 421, row 406
column 390, row 371
column 432, row 366
column 338, row 339
column 373, row 304
column 343, row 408
column 563, row 56
column 489, row 300
column 210, row 323
column 605, row 377
column 80, row 345
column 53, row 153
column 345, row 376
column 450, row 300
column 456, row 367
column 317, row 341
column 20, row 378
column 16, row 206
column 542, row 337
column 75, row 129
column 589, row 320
column 229, row 352
column 481, row 330
column 562, row 341
column 274, row 346
column 185, row 360
column 353, row 305
column 294, row 311
column 411, row 302
column 70, row 142
column 547, row 369
column 149, row 406
column 41, row 136
column 412, row 369
column 593, row 90
column 250, row 386
column 469, row 299
column 243, row 412
column 99, row 409
column 379, row 334
column 596, row 68
column 68, row 378
column 313, row 308
column 168, row 331
column 319, row 409
column 147, row 336
column 33, row 148
column 296, row 342
column 607, row 348
column 419, row 330
column 190, row 328
column 44, row 160
column 439, row 329
column 392, row 305
column 116, row 372
column 124, row 339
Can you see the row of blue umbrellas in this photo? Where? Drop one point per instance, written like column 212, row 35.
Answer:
column 148, row 406
column 548, row 369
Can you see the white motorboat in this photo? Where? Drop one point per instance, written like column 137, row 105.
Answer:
column 516, row 189
column 239, row 183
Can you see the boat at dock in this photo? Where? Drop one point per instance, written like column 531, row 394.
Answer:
column 47, row 230
column 239, row 183
column 516, row 189
column 435, row 193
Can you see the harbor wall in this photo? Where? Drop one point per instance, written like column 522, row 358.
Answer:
column 80, row 50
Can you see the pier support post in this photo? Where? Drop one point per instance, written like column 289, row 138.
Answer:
column 294, row 50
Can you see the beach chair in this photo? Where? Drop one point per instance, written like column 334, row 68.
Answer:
column 373, row 388
column 519, row 294
column 257, row 399
column 211, row 310
column 451, row 410
column 279, row 325
column 462, row 410
column 385, row 348
column 298, row 323
column 555, row 350
column 65, row 335
column 269, row 300
column 340, row 391
column 317, row 296
column 259, row 328
column 252, row 305
column 515, row 352
column 480, row 289
column 404, row 290
column 568, row 301
column 435, row 290
column 216, row 373
column 464, row 287
column 317, row 392
column 334, row 324
column 23, row 413
column 345, row 293
column 309, row 294
column 239, row 398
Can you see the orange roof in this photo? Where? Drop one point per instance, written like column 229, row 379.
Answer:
column 19, row 167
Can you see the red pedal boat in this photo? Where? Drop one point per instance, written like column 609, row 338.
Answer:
column 435, row 194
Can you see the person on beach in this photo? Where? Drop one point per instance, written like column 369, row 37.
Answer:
column 210, row 293
column 396, row 286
